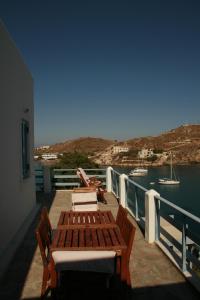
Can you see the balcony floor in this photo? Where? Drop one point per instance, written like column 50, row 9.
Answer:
column 153, row 275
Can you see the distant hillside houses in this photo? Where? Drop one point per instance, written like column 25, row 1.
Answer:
column 145, row 153
column 47, row 156
column 120, row 149
column 45, row 147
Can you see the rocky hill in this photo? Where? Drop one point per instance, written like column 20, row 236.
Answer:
column 184, row 134
column 183, row 141
column 85, row 145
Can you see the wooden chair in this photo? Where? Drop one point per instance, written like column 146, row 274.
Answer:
column 44, row 215
column 92, row 182
column 128, row 232
column 86, row 180
column 92, row 261
column 121, row 215
column 49, row 280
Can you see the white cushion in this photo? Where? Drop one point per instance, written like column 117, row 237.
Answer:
column 91, row 261
column 85, row 207
column 84, row 197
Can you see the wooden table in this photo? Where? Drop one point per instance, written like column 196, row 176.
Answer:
column 86, row 219
column 94, row 230
column 93, row 239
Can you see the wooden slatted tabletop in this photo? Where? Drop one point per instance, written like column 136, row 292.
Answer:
column 100, row 238
column 82, row 219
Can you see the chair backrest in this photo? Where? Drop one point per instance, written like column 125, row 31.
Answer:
column 83, row 176
column 43, row 239
column 121, row 215
column 128, row 232
column 127, row 229
column 44, row 215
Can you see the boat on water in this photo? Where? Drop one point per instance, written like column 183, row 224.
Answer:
column 172, row 180
column 138, row 172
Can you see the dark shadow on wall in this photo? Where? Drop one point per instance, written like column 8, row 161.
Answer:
column 12, row 282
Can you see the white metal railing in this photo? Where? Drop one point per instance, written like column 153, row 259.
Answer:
column 47, row 179
column 176, row 231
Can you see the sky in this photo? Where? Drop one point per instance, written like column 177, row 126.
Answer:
column 110, row 69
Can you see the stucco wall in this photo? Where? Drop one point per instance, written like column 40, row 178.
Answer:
column 17, row 195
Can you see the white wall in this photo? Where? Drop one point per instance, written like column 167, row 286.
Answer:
column 17, row 195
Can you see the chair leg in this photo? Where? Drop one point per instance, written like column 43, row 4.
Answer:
column 44, row 282
column 128, row 278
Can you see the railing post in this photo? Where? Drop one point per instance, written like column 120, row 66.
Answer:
column 122, row 189
column 109, row 179
column 184, row 247
column 150, row 216
column 47, row 179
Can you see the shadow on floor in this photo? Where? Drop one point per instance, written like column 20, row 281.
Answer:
column 95, row 288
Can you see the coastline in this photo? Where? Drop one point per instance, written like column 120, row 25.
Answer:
column 152, row 164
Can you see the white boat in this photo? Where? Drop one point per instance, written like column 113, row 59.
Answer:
column 172, row 180
column 138, row 172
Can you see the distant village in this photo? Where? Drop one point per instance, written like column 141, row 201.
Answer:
column 118, row 154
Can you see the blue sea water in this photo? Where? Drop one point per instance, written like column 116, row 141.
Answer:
column 185, row 195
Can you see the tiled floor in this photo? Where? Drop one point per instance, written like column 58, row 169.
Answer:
column 153, row 275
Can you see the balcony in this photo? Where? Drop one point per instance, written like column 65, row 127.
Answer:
column 153, row 274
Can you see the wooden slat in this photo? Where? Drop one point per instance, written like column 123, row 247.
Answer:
column 76, row 218
column 113, row 237
column 118, row 236
column 100, row 238
column 107, row 237
column 88, row 238
column 101, row 218
column 83, row 225
column 106, row 219
column 69, row 238
column 97, row 218
column 94, row 237
column 71, row 216
column 81, row 218
column 75, row 238
column 81, row 238
column 110, row 216
column 61, row 242
column 86, row 218
column 66, row 219
column 91, row 218
column 61, row 219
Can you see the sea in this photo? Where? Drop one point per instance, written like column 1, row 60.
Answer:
column 185, row 195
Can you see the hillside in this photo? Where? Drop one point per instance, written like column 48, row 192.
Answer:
column 182, row 135
column 85, row 145
column 183, row 141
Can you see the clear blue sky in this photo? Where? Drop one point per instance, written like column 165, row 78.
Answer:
column 112, row 69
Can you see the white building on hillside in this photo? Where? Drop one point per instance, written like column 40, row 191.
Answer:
column 49, row 156
column 145, row 153
column 119, row 149
column 18, row 203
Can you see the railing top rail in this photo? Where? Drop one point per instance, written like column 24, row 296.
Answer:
column 103, row 169
column 116, row 172
column 57, row 170
column 181, row 210
column 137, row 185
